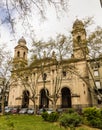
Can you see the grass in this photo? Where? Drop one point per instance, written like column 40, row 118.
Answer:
column 30, row 122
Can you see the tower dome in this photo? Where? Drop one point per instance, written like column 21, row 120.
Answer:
column 78, row 24
column 22, row 41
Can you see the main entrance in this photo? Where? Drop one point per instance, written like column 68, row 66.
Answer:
column 44, row 101
column 25, row 100
column 66, row 97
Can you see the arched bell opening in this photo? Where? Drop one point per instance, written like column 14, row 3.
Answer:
column 18, row 54
column 24, row 55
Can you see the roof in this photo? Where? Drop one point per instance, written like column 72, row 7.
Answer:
column 78, row 23
column 22, row 39
column 38, row 62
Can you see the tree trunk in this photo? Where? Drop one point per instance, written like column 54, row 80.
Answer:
column 2, row 104
column 34, row 106
column 54, row 106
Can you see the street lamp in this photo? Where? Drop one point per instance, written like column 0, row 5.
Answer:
column 44, row 77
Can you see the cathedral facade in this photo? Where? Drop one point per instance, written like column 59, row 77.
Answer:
column 70, row 85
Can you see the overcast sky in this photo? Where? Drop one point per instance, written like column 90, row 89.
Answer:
column 53, row 26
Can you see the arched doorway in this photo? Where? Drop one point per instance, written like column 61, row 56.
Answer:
column 44, row 101
column 66, row 97
column 25, row 100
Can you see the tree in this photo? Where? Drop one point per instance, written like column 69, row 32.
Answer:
column 51, row 64
column 28, row 79
column 60, row 64
column 95, row 46
column 51, row 59
column 5, row 68
column 92, row 56
column 24, row 11
column 95, row 43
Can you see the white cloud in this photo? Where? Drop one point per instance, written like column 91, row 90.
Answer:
column 52, row 26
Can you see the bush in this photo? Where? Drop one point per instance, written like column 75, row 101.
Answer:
column 50, row 117
column 96, row 123
column 79, row 110
column 70, row 119
column 93, row 116
column 91, row 113
column 70, row 110
column 45, row 116
column 53, row 117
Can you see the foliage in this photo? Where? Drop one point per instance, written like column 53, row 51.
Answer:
column 97, row 123
column 70, row 110
column 95, row 42
column 93, row 116
column 50, row 117
column 53, row 117
column 70, row 120
column 45, row 116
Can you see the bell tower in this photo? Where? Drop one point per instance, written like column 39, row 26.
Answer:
column 80, row 49
column 20, row 55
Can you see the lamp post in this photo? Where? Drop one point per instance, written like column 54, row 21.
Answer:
column 44, row 77
column 44, row 81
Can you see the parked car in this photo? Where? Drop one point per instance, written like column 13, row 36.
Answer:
column 59, row 110
column 40, row 111
column 30, row 111
column 14, row 110
column 49, row 110
column 23, row 111
column 8, row 109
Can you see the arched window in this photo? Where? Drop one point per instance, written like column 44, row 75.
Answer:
column 24, row 55
column 18, row 54
column 78, row 38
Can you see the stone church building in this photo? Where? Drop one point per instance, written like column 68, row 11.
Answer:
column 80, row 87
